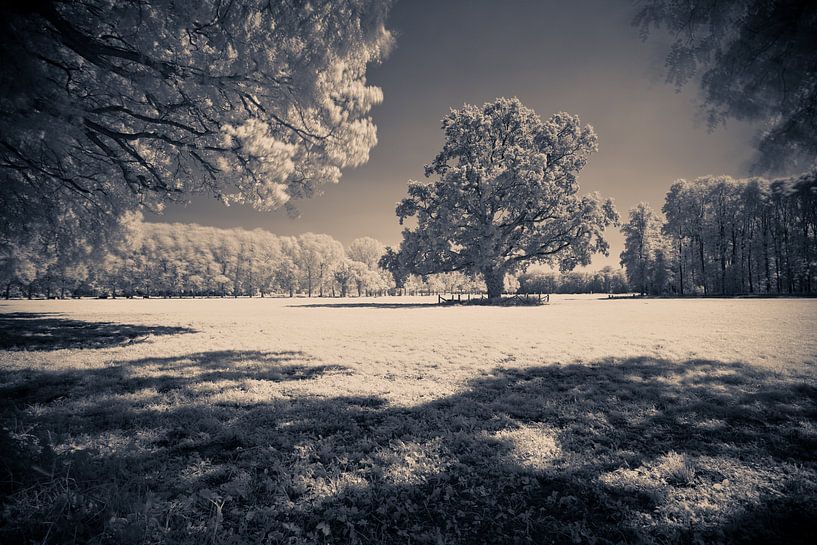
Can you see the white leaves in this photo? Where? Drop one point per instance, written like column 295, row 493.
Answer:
column 257, row 102
column 272, row 163
column 256, row 139
column 505, row 194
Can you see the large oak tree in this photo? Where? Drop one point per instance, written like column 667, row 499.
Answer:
column 504, row 196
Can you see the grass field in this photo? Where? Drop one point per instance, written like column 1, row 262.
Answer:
column 393, row 420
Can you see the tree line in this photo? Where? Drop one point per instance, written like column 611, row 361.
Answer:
column 188, row 260
column 723, row 236
column 715, row 235
column 157, row 259
column 605, row 280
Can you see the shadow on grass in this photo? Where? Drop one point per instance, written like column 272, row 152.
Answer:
column 152, row 378
column 51, row 331
column 206, row 448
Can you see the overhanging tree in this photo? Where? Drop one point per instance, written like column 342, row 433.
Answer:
column 757, row 61
column 505, row 196
column 108, row 106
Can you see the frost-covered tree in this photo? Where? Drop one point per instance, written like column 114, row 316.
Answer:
column 317, row 257
column 757, row 60
column 505, row 196
column 110, row 105
column 366, row 250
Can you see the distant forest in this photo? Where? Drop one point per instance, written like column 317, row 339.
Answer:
column 722, row 236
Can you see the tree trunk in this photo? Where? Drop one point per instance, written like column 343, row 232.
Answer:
column 777, row 259
column 733, row 284
column 681, row 265
column 494, row 282
column 703, row 262
column 749, row 268
column 766, row 259
column 806, row 259
column 787, row 250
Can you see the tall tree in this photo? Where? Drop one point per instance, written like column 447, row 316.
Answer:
column 643, row 255
column 505, row 196
column 316, row 259
column 757, row 60
column 741, row 236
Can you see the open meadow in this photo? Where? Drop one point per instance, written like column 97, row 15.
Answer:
column 394, row 420
column 206, row 207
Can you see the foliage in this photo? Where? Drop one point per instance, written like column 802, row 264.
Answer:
column 152, row 259
column 366, row 250
column 743, row 236
column 605, row 280
column 110, row 106
column 645, row 251
column 728, row 236
column 55, row 252
column 757, row 60
column 440, row 283
column 504, row 197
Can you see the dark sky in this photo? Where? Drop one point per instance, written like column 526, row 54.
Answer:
column 582, row 57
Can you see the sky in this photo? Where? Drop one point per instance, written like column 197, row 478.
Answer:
column 581, row 57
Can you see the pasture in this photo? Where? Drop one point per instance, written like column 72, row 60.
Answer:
column 393, row 420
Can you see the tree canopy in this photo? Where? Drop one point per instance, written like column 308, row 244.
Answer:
column 107, row 106
column 725, row 236
column 757, row 60
column 505, row 195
